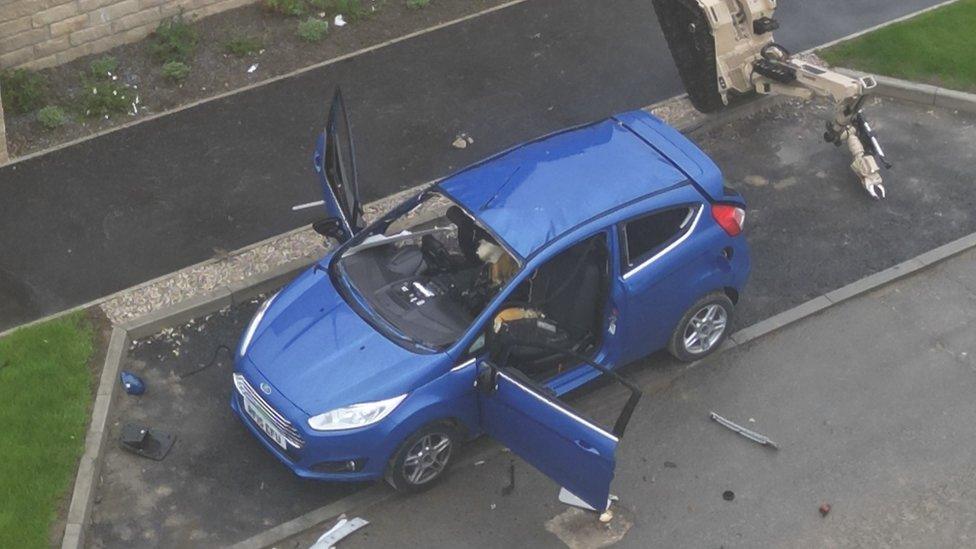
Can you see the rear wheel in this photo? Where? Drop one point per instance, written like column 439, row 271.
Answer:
column 702, row 329
column 423, row 458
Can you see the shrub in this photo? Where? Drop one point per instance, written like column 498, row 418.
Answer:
column 23, row 90
column 105, row 98
column 243, row 45
column 103, row 67
column 175, row 70
column 417, row 4
column 174, row 40
column 312, row 29
column 52, row 117
column 294, row 8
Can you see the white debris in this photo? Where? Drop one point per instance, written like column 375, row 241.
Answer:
column 461, row 142
column 339, row 21
column 252, row 68
column 479, row 463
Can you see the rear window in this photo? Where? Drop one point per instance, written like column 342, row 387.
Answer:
column 646, row 236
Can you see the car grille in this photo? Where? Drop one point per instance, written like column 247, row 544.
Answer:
column 285, row 426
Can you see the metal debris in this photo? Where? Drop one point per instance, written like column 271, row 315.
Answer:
column 749, row 434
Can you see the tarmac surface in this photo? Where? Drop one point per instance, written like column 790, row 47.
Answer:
column 870, row 402
column 109, row 213
column 810, row 228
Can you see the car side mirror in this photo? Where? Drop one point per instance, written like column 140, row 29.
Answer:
column 330, row 227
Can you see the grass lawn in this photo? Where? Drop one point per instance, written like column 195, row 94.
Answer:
column 938, row 47
column 45, row 394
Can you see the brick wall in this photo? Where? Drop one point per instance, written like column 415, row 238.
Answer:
column 37, row 34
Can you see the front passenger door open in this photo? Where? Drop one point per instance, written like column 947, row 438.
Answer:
column 562, row 443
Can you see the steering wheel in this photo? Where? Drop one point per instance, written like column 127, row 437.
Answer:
column 436, row 252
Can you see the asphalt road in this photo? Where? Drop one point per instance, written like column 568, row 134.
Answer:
column 109, row 213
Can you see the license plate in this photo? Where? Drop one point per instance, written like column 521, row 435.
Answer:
column 264, row 423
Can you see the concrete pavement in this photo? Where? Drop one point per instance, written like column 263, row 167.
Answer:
column 135, row 204
column 870, row 402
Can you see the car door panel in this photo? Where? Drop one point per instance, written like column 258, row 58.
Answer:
column 577, row 454
column 563, row 444
column 658, row 292
column 335, row 163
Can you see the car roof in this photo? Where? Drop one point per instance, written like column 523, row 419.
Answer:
column 532, row 194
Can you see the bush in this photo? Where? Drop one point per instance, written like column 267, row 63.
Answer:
column 312, row 29
column 294, row 8
column 52, row 117
column 417, row 4
column 174, row 40
column 105, row 98
column 22, row 90
column 243, row 45
column 103, row 67
column 176, row 70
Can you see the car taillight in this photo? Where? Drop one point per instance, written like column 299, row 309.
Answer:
column 729, row 217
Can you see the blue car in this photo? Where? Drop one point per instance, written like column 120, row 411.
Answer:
column 475, row 305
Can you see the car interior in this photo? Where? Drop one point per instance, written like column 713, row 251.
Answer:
column 558, row 308
column 428, row 272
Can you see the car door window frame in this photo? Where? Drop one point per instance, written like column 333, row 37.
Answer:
column 685, row 229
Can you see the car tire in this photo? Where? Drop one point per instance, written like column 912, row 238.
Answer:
column 702, row 328
column 429, row 465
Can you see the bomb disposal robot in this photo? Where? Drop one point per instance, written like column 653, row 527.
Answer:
column 724, row 49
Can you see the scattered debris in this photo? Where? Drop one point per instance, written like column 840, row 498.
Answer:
column 479, row 463
column 132, row 383
column 670, row 465
column 728, row 495
column 334, row 535
column 339, row 21
column 252, row 68
column 462, row 141
column 606, row 516
column 751, row 435
column 493, row 506
column 824, row 509
column 143, row 441
column 507, row 490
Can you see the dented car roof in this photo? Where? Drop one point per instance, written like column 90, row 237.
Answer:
column 532, row 194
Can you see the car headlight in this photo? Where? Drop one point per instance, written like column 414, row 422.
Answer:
column 253, row 326
column 357, row 415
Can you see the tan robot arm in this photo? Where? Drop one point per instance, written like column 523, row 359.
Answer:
column 725, row 48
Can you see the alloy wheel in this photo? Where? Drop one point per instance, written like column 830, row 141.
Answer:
column 705, row 329
column 427, row 458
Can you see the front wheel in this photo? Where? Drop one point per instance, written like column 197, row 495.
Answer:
column 702, row 329
column 423, row 458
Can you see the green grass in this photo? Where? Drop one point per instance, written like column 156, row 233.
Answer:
column 937, row 47
column 45, row 388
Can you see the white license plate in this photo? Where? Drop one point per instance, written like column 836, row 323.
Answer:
column 264, row 423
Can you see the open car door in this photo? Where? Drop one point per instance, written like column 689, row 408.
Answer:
column 555, row 439
column 335, row 163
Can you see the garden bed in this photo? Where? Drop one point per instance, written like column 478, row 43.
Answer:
column 267, row 44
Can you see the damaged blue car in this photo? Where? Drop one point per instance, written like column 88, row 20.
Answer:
column 472, row 307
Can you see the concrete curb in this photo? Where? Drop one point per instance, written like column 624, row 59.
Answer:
column 89, row 469
column 919, row 93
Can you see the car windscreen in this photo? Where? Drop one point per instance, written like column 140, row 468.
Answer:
column 428, row 272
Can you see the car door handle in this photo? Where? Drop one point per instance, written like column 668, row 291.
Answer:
column 318, row 162
column 586, row 446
